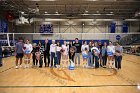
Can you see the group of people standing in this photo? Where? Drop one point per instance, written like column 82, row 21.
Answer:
column 94, row 54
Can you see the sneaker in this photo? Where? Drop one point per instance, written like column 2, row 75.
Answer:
column 16, row 67
column 20, row 66
column 25, row 66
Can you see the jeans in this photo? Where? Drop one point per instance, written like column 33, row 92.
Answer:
column 118, row 60
column 77, row 55
column 53, row 58
column 90, row 59
column 104, row 57
column 58, row 53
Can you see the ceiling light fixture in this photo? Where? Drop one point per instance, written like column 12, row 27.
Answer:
column 86, row 11
column 97, row 11
column 96, row 14
column 109, row 14
column 56, row 12
column 45, row 12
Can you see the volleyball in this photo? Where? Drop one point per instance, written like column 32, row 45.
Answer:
column 71, row 67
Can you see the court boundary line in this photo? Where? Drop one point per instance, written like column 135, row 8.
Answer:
column 92, row 86
column 6, row 69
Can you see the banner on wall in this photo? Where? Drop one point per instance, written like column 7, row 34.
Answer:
column 46, row 28
column 112, row 27
column 124, row 28
column 3, row 26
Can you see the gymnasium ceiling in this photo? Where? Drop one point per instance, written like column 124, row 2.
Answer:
column 73, row 9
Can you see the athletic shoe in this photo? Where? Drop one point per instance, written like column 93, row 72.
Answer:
column 28, row 65
column 25, row 66
column 20, row 66
column 16, row 67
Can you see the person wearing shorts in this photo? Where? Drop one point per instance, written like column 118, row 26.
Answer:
column 27, row 51
column 19, row 52
column 110, row 53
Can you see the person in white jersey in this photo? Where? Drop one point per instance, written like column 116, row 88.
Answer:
column 110, row 53
column 27, row 51
column 53, row 53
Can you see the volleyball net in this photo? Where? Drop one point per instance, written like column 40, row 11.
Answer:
column 125, row 39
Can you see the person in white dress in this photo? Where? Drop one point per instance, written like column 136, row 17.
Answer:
column 110, row 53
column 27, row 51
column 64, row 51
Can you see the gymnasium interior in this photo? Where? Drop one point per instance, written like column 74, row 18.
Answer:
column 64, row 20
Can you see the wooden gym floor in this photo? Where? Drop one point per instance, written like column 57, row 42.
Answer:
column 80, row 80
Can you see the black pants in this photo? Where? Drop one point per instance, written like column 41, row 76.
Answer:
column 46, row 55
column 104, row 60
column 118, row 60
column 96, row 60
column 71, row 57
column 35, row 62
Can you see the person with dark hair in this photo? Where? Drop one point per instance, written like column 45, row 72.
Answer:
column 19, row 53
column 47, row 52
column 70, row 57
column 90, row 56
column 78, row 51
column 104, row 54
column 58, row 53
column 100, row 55
column 39, row 44
column 41, row 49
column 118, row 55
column 38, row 56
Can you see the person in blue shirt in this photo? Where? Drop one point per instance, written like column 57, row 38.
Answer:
column 104, row 54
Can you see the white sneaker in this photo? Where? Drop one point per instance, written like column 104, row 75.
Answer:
column 16, row 67
column 25, row 66
column 20, row 66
